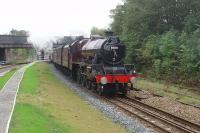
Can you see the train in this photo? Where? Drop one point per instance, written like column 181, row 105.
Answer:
column 97, row 63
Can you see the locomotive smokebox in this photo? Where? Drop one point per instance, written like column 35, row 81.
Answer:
column 112, row 51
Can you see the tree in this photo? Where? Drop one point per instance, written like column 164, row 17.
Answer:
column 97, row 31
column 162, row 37
column 19, row 32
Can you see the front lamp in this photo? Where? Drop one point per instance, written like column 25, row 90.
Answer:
column 104, row 80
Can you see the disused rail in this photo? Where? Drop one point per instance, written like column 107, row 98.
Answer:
column 5, row 66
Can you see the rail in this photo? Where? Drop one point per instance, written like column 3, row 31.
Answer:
column 155, row 116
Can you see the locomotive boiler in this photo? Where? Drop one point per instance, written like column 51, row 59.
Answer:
column 97, row 63
column 108, row 51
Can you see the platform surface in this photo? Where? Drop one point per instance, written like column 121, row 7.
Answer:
column 8, row 97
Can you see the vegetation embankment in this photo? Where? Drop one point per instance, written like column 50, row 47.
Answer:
column 179, row 93
column 6, row 77
column 45, row 104
column 162, row 38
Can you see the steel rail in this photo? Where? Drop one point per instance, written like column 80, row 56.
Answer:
column 194, row 126
column 138, row 115
column 174, row 121
column 1, row 67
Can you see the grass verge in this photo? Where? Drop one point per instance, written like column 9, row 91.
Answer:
column 30, row 81
column 6, row 77
column 44, row 104
column 179, row 93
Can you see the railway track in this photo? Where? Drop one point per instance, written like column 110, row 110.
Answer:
column 6, row 66
column 5, row 69
column 161, row 120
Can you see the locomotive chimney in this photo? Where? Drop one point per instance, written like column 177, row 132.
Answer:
column 108, row 33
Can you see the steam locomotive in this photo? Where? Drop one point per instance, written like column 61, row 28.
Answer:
column 97, row 63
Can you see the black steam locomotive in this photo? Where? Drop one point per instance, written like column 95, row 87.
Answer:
column 97, row 63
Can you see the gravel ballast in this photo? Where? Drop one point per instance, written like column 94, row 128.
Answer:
column 109, row 110
column 184, row 111
column 169, row 105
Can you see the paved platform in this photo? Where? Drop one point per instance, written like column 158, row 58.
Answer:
column 8, row 97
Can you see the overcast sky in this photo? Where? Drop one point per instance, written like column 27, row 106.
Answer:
column 45, row 19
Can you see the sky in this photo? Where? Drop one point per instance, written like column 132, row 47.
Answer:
column 47, row 19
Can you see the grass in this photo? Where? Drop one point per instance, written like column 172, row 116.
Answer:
column 179, row 93
column 37, row 123
column 30, row 81
column 44, row 105
column 6, row 77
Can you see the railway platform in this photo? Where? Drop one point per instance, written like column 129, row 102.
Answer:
column 8, row 97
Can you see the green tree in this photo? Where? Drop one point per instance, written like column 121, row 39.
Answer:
column 19, row 32
column 97, row 31
column 162, row 37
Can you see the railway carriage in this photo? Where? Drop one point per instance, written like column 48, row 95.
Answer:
column 97, row 63
column 57, row 56
column 65, row 56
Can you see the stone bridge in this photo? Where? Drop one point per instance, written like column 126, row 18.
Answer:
column 10, row 42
